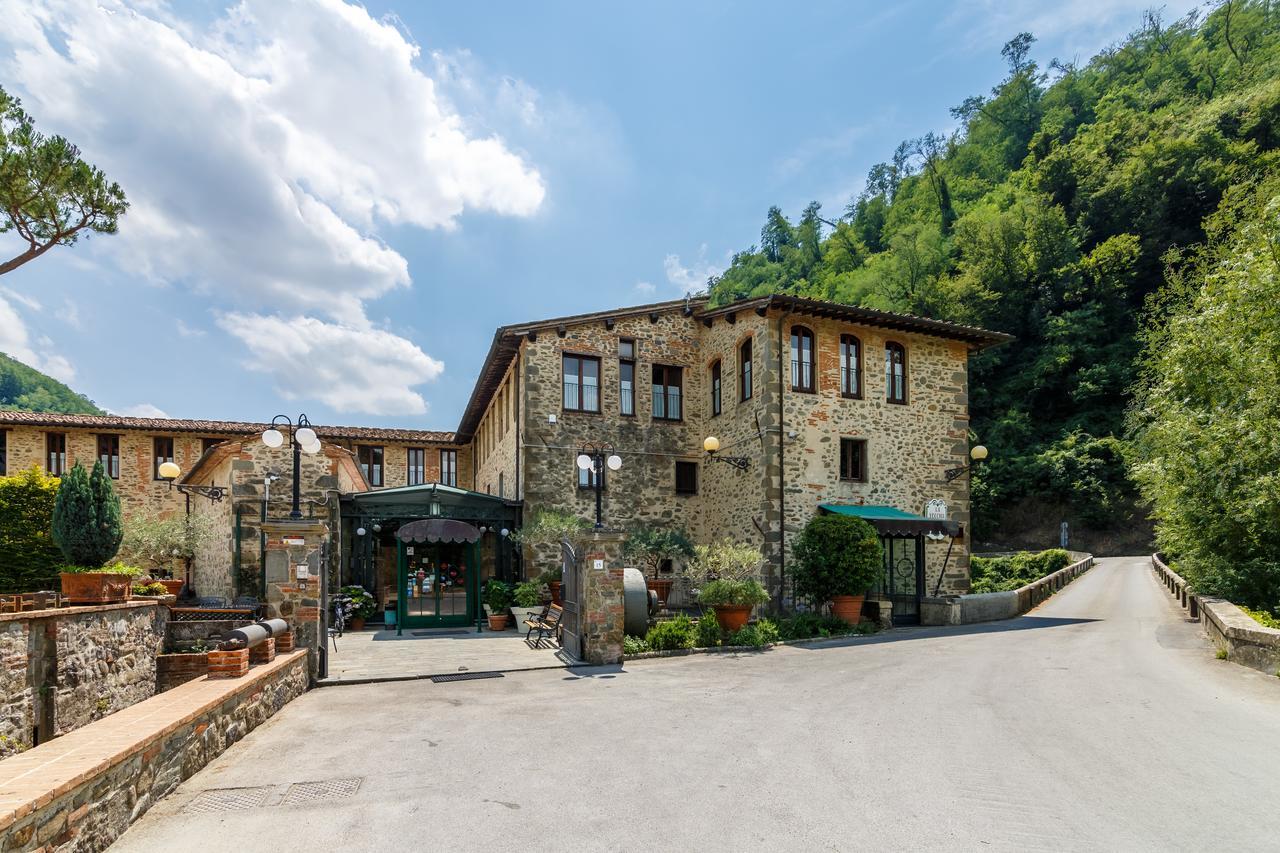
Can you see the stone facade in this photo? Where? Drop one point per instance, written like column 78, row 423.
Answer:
column 63, row 669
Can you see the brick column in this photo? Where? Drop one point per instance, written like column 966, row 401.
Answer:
column 291, row 595
column 602, row 600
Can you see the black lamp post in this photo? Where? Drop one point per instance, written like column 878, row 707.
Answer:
column 303, row 439
column 595, row 458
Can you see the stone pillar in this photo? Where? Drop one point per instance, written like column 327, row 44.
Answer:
column 293, row 573
column 602, row 600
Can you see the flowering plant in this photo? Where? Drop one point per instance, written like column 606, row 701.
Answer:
column 360, row 602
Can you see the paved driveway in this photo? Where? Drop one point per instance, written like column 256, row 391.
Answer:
column 1100, row 722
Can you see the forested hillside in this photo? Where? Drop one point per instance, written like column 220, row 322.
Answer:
column 26, row 389
column 1055, row 210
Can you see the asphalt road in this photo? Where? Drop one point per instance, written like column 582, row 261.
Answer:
column 1102, row 721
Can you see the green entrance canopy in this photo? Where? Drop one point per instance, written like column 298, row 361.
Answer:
column 890, row 521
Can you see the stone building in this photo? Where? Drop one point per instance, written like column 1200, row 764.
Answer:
column 817, row 407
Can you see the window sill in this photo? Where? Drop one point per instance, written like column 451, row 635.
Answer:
column 795, row 390
column 844, row 396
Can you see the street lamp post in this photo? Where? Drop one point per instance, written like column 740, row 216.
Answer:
column 303, row 439
column 595, row 458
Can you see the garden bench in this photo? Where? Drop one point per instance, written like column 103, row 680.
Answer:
column 547, row 624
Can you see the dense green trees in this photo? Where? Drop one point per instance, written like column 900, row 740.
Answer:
column 86, row 517
column 1052, row 213
column 1207, row 415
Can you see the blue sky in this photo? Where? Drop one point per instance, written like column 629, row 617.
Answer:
column 335, row 205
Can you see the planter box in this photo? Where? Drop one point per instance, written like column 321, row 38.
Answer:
column 96, row 587
column 172, row 587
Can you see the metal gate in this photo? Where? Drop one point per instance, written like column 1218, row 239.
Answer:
column 904, row 577
column 571, row 601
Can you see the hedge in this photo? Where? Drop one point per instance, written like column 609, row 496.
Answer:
column 1002, row 574
column 29, row 559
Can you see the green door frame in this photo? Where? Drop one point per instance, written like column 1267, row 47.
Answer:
column 472, row 612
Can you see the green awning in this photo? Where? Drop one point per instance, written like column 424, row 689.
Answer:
column 891, row 521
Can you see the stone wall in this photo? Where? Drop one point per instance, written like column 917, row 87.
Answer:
column 63, row 669
column 495, row 444
column 131, row 763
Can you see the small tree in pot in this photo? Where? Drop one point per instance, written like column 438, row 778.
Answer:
column 547, row 529
column 86, row 528
column 726, row 577
column 838, row 558
column 650, row 547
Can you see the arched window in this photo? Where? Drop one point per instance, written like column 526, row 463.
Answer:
column 715, row 387
column 850, row 366
column 802, row 355
column 895, row 373
column 744, row 370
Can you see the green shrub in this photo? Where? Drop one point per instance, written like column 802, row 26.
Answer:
column 1002, row 574
column 837, row 555
column 709, row 633
column 675, row 633
column 746, row 636
column 634, row 645
column 29, row 559
column 116, row 568
column 1263, row 618
column 363, row 604
column 86, row 517
column 149, row 589
column 768, row 630
column 732, row 592
column 497, row 594
column 803, row 626
column 528, row 594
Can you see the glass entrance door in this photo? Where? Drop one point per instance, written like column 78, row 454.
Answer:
column 437, row 584
column 904, row 577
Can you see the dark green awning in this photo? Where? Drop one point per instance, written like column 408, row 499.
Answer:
column 891, row 521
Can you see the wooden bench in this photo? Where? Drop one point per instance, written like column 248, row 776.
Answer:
column 547, row 624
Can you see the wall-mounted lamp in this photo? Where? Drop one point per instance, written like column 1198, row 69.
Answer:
column 977, row 454
column 169, row 471
column 711, row 445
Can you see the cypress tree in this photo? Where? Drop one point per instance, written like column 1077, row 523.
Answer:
column 86, row 518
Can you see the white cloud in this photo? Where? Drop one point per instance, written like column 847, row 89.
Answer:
column 188, row 331
column 262, row 152
column 349, row 368
column 692, row 278
column 143, row 410
column 645, row 287
column 16, row 340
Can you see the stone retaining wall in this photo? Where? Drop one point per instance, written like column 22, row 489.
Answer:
column 63, row 669
column 81, row 792
column 990, row 606
column 1232, row 630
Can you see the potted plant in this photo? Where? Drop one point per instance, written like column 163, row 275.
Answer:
column 547, row 530
column 553, row 579
column 838, row 558
column 725, row 577
column 86, row 528
column 497, row 595
column 527, row 599
column 650, row 547
column 363, row 605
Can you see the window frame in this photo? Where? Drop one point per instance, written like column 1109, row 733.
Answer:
column 564, row 357
column 381, row 464
column 158, row 458
column 798, row 335
column 746, row 370
column 861, row 473
column 49, row 454
column 626, row 396
column 690, row 466
column 889, row 396
column 854, row 343
column 585, row 478
column 113, row 470
column 717, row 387
column 666, row 386
column 409, row 466
column 449, row 467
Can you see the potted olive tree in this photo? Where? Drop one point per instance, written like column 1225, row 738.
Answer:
column 86, row 528
column 838, row 558
column 650, row 547
column 542, row 537
column 497, row 595
column 726, row 578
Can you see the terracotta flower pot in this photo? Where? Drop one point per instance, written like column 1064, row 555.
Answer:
column 497, row 622
column 848, row 608
column 554, row 586
column 732, row 617
column 173, row 587
column 662, row 586
column 356, row 624
column 96, row 587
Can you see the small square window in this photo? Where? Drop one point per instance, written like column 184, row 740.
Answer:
column 626, row 348
column 686, row 478
column 853, row 459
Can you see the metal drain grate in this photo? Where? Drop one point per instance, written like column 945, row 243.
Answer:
column 464, row 676
column 456, row 633
column 329, row 789
column 228, row 800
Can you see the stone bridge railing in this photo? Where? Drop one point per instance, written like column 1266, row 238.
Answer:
column 1237, row 634
column 990, row 606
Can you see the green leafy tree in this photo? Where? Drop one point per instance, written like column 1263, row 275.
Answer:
column 653, row 546
column 29, row 558
column 837, row 555
column 86, row 517
column 49, row 196
column 25, row 389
